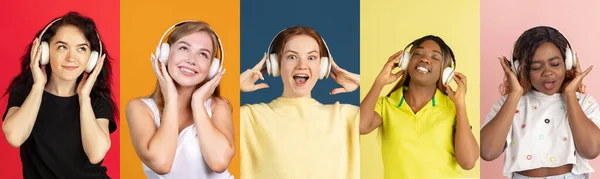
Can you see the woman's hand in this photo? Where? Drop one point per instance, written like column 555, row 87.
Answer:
column 84, row 88
column 386, row 76
column 514, row 86
column 575, row 84
column 38, row 72
column 250, row 76
column 207, row 89
column 458, row 96
column 167, row 86
column 348, row 81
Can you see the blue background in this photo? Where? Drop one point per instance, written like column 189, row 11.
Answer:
column 337, row 21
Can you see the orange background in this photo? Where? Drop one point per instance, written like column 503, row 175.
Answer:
column 142, row 25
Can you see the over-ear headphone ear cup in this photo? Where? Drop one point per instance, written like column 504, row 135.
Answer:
column 45, row 53
column 515, row 66
column 164, row 52
column 92, row 62
column 273, row 65
column 214, row 68
column 569, row 60
column 404, row 60
column 447, row 75
column 323, row 73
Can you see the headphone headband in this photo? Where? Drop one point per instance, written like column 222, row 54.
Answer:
column 322, row 40
column 60, row 18
column 451, row 54
column 222, row 53
column 569, row 53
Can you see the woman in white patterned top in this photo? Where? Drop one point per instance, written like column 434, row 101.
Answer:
column 544, row 122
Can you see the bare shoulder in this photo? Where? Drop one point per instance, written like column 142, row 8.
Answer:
column 220, row 103
column 137, row 107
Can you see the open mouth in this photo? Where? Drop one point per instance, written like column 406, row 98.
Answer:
column 187, row 71
column 423, row 69
column 549, row 85
column 301, row 79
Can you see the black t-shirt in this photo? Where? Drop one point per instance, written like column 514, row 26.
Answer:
column 54, row 148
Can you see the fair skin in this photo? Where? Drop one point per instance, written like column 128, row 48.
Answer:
column 69, row 55
column 424, row 69
column 547, row 70
column 300, row 66
column 181, row 82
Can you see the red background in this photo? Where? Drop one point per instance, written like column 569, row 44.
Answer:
column 20, row 21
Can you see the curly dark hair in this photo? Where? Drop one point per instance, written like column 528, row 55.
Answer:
column 21, row 84
column 524, row 50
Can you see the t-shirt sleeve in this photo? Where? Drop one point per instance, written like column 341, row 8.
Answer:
column 379, row 105
column 14, row 100
column 494, row 110
column 589, row 105
column 102, row 109
column 493, row 113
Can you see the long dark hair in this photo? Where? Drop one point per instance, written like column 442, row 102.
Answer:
column 447, row 55
column 21, row 85
column 524, row 50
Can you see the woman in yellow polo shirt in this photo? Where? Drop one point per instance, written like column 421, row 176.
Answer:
column 295, row 136
column 426, row 133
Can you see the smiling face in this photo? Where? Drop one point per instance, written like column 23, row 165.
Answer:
column 547, row 70
column 300, row 65
column 426, row 63
column 69, row 53
column 190, row 58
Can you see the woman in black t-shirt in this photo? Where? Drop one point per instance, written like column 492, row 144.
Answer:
column 60, row 110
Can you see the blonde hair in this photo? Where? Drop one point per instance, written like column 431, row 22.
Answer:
column 180, row 32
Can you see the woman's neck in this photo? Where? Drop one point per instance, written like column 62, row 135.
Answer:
column 60, row 87
column 418, row 95
column 291, row 94
column 184, row 98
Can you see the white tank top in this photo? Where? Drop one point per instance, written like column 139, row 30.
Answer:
column 188, row 162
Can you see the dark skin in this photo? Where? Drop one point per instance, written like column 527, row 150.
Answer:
column 421, row 89
column 547, row 70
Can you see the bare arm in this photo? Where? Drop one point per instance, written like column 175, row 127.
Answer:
column 95, row 136
column 586, row 134
column 369, row 119
column 216, row 134
column 155, row 146
column 493, row 134
column 465, row 146
column 19, row 121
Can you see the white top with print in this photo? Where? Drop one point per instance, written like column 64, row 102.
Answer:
column 540, row 135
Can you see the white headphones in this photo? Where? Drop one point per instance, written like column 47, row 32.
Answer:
column 447, row 74
column 569, row 57
column 163, row 48
column 46, row 50
column 273, row 60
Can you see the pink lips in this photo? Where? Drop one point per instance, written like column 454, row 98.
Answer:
column 70, row 68
column 300, row 79
column 188, row 71
column 549, row 85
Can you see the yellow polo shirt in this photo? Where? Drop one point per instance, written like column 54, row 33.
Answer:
column 299, row 138
column 418, row 145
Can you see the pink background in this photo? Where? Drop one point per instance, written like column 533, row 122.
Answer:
column 21, row 20
column 502, row 22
